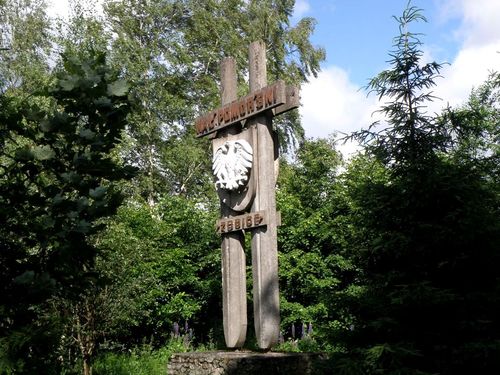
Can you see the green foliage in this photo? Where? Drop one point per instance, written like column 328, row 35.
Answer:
column 303, row 345
column 171, row 50
column 82, row 30
column 424, row 253
column 57, row 180
column 141, row 361
column 57, row 166
column 313, row 266
column 424, row 205
column 476, row 129
column 162, row 269
column 24, row 24
column 411, row 136
column 291, row 55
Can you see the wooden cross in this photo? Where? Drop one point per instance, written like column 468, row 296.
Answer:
column 245, row 158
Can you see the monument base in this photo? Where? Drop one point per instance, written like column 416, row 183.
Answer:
column 245, row 363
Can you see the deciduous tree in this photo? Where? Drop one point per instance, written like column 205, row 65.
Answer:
column 57, row 180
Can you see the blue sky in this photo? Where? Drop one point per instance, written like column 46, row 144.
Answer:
column 358, row 33
column 357, row 36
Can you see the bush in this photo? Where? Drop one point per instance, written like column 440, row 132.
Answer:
column 140, row 361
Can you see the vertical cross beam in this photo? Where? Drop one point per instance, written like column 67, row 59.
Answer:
column 264, row 239
column 233, row 255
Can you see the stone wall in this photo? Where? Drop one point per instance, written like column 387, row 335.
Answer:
column 245, row 363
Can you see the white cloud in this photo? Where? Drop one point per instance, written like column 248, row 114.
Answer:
column 58, row 8
column 331, row 103
column 62, row 8
column 469, row 69
column 480, row 48
column 301, row 8
column 479, row 22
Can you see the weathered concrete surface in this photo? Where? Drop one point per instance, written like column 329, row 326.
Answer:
column 233, row 254
column 234, row 303
column 265, row 239
column 246, row 363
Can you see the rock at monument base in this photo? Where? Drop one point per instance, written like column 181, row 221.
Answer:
column 245, row 363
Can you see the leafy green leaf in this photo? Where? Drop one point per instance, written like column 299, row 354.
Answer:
column 47, row 222
column 43, row 152
column 83, row 226
column 118, row 88
column 25, row 278
column 46, row 125
column 68, row 84
column 87, row 134
column 98, row 192
column 103, row 101
column 24, row 154
column 71, row 177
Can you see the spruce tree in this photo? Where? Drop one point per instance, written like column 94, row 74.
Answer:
column 426, row 239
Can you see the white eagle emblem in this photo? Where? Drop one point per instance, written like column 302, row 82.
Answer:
column 232, row 163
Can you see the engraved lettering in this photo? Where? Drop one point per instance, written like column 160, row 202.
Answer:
column 257, row 219
column 199, row 126
column 259, row 100
column 250, row 106
column 242, row 222
column 205, row 123
column 213, row 120
column 234, row 111
column 242, row 107
column 246, row 107
column 270, row 95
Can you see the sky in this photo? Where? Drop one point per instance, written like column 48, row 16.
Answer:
column 357, row 36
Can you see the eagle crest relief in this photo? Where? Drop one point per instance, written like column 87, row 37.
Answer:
column 231, row 164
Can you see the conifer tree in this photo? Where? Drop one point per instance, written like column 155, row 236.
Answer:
column 426, row 235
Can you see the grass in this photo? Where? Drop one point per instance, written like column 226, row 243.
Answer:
column 140, row 361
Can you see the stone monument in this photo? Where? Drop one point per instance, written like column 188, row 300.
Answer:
column 245, row 153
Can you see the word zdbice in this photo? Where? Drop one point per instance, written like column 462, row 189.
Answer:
column 248, row 221
column 246, row 107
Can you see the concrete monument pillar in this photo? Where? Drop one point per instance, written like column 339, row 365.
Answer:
column 244, row 158
column 264, row 239
column 234, row 300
